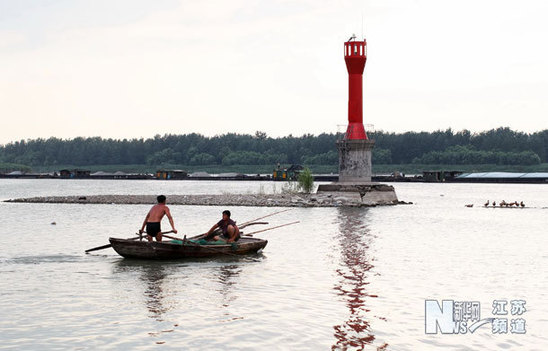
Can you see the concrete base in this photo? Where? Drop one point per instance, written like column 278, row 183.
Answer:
column 355, row 160
column 360, row 194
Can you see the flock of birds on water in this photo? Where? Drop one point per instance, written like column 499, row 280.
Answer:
column 501, row 204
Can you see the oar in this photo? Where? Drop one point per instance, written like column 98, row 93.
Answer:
column 264, row 230
column 247, row 225
column 272, row 214
column 173, row 237
column 104, row 246
column 110, row 245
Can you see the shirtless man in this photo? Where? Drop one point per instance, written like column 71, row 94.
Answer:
column 229, row 228
column 154, row 217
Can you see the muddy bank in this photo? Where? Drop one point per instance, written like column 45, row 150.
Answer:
column 261, row 200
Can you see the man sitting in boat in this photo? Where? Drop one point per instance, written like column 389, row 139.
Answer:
column 154, row 217
column 230, row 230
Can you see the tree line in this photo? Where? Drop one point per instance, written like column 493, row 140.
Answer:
column 497, row 146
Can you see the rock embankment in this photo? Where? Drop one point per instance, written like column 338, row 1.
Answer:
column 260, row 200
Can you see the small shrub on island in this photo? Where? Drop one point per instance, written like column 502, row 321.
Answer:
column 306, row 180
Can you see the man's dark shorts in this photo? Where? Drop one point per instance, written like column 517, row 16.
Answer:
column 153, row 228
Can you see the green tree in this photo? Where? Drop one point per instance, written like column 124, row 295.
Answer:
column 306, row 180
column 202, row 158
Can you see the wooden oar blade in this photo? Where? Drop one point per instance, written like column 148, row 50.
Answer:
column 109, row 245
column 99, row 248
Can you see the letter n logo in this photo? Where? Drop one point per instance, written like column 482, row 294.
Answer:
column 436, row 317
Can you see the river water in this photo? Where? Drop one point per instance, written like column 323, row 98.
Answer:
column 344, row 278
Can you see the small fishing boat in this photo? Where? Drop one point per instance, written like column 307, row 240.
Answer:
column 169, row 250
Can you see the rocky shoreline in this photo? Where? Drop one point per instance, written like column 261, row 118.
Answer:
column 255, row 200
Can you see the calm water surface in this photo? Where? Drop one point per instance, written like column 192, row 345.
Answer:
column 341, row 279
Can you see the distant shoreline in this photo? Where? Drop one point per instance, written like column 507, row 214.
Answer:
column 427, row 177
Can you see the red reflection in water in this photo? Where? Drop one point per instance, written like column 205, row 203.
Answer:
column 354, row 239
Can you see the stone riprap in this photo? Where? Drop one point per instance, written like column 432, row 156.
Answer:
column 266, row 200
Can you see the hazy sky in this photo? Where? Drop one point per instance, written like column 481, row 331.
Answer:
column 136, row 68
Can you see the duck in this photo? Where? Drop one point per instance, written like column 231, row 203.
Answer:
column 486, row 204
column 494, row 204
column 522, row 204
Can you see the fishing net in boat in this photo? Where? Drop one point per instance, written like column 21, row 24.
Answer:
column 201, row 242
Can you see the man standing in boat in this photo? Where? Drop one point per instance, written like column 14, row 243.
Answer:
column 154, row 217
column 231, row 232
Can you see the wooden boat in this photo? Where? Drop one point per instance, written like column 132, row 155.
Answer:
column 166, row 250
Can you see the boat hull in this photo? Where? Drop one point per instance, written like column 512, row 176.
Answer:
column 166, row 250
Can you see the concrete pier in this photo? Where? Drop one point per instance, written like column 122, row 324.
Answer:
column 355, row 160
column 364, row 194
column 354, row 185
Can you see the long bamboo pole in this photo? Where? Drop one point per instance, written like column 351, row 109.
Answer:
column 272, row 214
column 264, row 230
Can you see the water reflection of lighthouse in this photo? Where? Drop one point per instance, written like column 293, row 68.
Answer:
column 354, row 270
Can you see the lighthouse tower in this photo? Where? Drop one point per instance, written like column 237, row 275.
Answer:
column 354, row 187
column 355, row 148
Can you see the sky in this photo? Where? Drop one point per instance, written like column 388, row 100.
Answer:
column 136, row 68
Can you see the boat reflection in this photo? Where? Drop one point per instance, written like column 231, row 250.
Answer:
column 153, row 276
column 227, row 276
column 355, row 263
column 161, row 285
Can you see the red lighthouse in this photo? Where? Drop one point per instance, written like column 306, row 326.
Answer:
column 355, row 55
column 355, row 148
